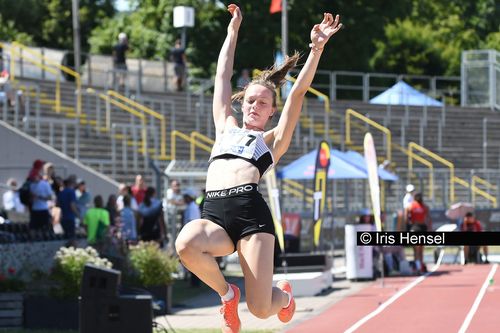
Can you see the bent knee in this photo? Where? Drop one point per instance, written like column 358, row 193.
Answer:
column 184, row 246
column 259, row 309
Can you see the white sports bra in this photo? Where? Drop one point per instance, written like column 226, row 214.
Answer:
column 246, row 144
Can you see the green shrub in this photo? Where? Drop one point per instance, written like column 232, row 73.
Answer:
column 151, row 265
column 69, row 263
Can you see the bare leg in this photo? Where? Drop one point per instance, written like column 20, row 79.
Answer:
column 256, row 259
column 197, row 245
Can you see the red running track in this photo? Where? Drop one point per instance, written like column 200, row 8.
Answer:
column 438, row 304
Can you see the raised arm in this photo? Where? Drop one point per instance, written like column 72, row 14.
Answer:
column 320, row 34
column 222, row 89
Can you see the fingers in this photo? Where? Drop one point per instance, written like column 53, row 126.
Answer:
column 325, row 19
column 234, row 10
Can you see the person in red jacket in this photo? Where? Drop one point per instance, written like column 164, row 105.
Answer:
column 474, row 225
column 418, row 219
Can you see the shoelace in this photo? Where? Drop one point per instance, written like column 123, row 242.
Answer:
column 226, row 310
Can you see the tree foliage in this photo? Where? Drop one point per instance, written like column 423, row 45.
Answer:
column 49, row 23
column 440, row 31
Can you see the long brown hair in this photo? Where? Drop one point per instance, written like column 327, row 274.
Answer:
column 272, row 78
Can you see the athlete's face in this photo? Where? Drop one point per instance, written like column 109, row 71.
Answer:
column 257, row 107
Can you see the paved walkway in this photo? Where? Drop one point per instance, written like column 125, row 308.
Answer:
column 203, row 311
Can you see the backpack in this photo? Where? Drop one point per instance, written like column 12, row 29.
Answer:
column 25, row 194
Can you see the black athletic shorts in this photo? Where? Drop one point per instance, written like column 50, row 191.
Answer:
column 240, row 210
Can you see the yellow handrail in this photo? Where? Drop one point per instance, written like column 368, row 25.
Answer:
column 128, row 109
column 298, row 185
column 425, row 162
column 297, row 193
column 487, row 184
column 198, row 136
column 42, row 66
column 383, row 129
column 160, row 117
column 173, row 135
column 451, row 166
column 69, row 71
column 475, row 189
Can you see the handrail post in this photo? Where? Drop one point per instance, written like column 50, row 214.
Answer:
column 485, row 143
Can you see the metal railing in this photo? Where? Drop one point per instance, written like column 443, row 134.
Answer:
column 388, row 137
column 195, row 138
column 423, row 161
column 109, row 100
column 67, row 70
column 156, row 76
column 487, row 121
column 453, row 179
column 154, row 114
column 476, row 190
column 14, row 53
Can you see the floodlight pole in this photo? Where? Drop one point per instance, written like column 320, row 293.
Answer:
column 284, row 28
column 76, row 34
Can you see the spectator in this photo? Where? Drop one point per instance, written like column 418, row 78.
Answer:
column 175, row 202
column 35, row 170
column 96, row 221
column 112, row 209
column 83, row 198
column 6, row 88
column 178, row 57
column 408, row 198
column 151, row 226
column 192, row 211
column 11, row 201
column 472, row 224
column 54, row 181
column 55, row 184
column 244, row 79
column 41, row 192
column 139, row 189
column 120, row 59
column 66, row 200
column 124, row 190
column 418, row 220
column 129, row 224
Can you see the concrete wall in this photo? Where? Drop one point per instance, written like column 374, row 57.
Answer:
column 18, row 151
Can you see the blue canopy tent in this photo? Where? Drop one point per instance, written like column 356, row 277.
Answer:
column 343, row 165
column 303, row 168
column 358, row 160
column 403, row 94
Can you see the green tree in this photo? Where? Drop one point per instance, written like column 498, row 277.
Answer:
column 49, row 22
column 446, row 28
column 18, row 22
column 410, row 48
column 8, row 32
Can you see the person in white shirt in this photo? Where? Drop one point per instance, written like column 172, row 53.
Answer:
column 408, row 198
column 11, row 201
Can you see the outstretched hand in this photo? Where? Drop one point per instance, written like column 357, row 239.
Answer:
column 321, row 33
column 236, row 17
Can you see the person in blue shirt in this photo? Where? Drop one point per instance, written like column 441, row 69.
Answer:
column 66, row 200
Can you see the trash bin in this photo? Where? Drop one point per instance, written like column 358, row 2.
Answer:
column 359, row 259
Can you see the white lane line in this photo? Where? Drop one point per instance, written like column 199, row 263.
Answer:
column 394, row 297
column 479, row 297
